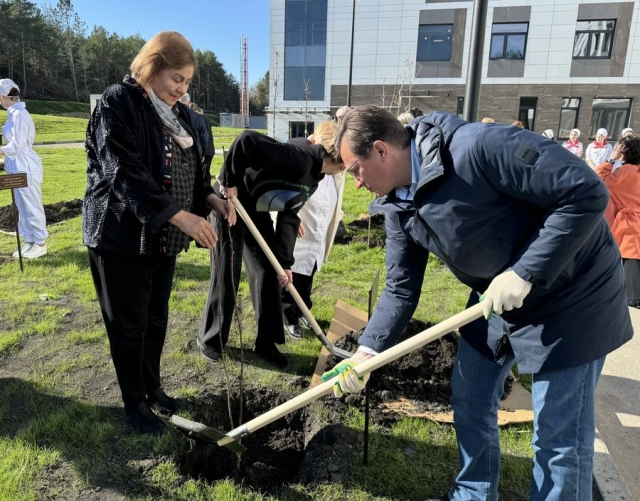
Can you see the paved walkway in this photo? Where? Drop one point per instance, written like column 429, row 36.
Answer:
column 59, row 144
column 617, row 459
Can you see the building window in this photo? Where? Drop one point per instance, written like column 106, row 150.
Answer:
column 610, row 113
column 527, row 112
column 434, row 42
column 508, row 40
column 568, row 116
column 297, row 129
column 594, row 39
column 304, row 83
column 460, row 107
column 305, row 50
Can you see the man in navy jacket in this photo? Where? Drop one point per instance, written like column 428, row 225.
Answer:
column 519, row 220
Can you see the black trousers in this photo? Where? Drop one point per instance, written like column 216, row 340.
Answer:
column 303, row 284
column 235, row 245
column 133, row 292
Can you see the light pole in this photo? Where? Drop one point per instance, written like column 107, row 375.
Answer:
column 474, row 71
column 353, row 28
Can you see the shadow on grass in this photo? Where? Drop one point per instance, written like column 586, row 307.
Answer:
column 79, row 257
column 299, row 364
column 97, row 448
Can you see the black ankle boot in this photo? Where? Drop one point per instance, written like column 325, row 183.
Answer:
column 144, row 419
column 162, row 403
column 271, row 354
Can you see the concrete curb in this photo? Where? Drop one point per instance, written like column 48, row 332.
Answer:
column 70, row 141
column 610, row 483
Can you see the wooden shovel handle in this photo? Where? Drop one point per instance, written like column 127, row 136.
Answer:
column 280, row 271
column 407, row 346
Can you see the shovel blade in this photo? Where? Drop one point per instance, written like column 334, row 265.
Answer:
column 204, row 434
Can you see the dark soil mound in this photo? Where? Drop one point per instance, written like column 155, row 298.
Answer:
column 422, row 376
column 366, row 229
column 55, row 213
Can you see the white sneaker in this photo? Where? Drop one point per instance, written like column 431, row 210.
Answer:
column 23, row 250
column 305, row 323
column 36, row 251
column 294, row 331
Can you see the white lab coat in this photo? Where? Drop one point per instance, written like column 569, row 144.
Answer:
column 320, row 217
column 19, row 132
column 598, row 155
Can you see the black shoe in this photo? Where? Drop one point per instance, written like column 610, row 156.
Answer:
column 208, row 352
column 294, row 331
column 162, row 403
column 144, row 419
column 272, row 355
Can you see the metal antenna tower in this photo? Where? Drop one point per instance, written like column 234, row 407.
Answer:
column 244, row 78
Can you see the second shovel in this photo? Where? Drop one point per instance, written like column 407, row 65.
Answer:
column 335, row 351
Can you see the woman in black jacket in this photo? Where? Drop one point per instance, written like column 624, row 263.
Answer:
column 266, row 176
column 147, row 197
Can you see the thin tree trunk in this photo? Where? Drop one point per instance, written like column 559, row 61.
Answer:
column 24, row 69
column 69, row 51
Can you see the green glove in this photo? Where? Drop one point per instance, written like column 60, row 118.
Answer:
column 349, row 381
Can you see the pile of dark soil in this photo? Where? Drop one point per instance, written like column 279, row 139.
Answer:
column 54, row 213
column 365, row 229
column 422, row 376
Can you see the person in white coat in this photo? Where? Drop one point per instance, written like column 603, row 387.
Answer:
column 319, row 218
column 624, row 133
column 19, row 132
column 572, row 144
column 599, row 151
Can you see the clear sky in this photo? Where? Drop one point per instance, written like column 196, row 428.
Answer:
column 216, row 25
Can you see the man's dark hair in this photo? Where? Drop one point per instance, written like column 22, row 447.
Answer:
column 416, row 112
column 14, row 93
column 364, row 125
column 631, row 149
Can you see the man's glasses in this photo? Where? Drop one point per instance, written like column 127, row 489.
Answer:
column 354, row 170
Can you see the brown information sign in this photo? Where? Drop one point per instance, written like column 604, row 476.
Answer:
column 11, row 181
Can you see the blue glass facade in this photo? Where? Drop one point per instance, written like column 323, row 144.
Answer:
column 305, row 50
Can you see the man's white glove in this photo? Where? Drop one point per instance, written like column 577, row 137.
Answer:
column 506, row 292
column 349, row 381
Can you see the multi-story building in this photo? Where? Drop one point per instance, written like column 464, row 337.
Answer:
column 552, row 64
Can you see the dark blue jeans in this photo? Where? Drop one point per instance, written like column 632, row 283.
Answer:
column 564, row 428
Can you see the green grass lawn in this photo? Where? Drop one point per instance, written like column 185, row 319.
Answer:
column 59, row 438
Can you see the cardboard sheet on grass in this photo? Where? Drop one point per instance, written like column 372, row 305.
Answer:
column 516, row 408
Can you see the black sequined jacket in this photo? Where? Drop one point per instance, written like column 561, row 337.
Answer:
column 125, row 204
